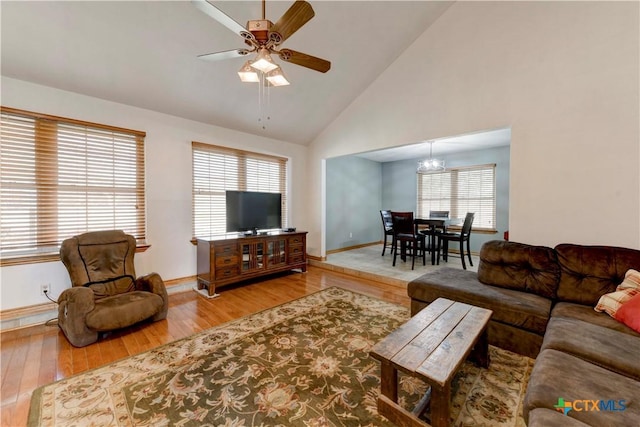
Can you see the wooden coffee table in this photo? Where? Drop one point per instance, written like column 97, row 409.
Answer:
column 431, row 346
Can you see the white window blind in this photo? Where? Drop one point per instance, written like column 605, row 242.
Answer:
column 217, row 169
column 62, row 177
column 460, row 190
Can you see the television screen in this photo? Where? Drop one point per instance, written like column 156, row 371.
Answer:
column 249, row 210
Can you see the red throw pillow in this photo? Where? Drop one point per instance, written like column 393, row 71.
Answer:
column 629, row 313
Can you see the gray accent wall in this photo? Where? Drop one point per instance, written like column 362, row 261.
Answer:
column 353, row 200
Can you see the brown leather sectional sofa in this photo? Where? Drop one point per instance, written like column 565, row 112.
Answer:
column 543, row 303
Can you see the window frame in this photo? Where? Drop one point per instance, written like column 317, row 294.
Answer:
column 452, row 201
column 243, row 179
column 52, row 137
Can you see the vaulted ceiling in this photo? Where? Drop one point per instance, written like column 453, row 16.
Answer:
column 144, row 54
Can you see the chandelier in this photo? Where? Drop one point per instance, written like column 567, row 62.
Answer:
column 430, row 165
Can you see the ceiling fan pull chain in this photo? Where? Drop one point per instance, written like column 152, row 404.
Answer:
column 268, row 86
column 263, row 101
column 260, row 95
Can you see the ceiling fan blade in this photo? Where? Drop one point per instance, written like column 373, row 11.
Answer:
column 295, row 17
column 305, row 60
column 222, row 18
column 227, row 54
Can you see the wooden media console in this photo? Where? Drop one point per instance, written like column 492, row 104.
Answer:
column 227, row 259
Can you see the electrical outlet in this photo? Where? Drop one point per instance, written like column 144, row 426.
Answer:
column 351, row 235
column 46, row 287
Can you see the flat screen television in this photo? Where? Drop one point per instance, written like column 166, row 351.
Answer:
column 252, row 211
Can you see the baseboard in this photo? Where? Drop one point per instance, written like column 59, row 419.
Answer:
column 457, row 252
column 23, row 317
column 361, row 274
column 34, row 315
column 350, row 248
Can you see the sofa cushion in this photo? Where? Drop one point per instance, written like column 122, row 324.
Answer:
column 123, row 310
column 587, row 314
column 557, row 375
column 601, row 346
column 519, row 266
column 588, row 272
column 517, row 308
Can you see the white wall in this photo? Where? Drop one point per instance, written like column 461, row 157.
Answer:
column 563, row 75
column 168, row 183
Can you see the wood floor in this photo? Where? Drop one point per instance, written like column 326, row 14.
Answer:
column 36, row 356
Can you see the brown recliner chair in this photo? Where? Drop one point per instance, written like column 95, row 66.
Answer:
column 105, row 294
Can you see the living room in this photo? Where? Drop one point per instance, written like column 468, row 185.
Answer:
column 563, row 76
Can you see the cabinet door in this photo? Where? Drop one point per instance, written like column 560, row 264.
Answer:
column 276, row 253
column 252, row 257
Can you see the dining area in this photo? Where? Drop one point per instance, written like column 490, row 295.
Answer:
column 413, row 237
column 358, row 188
column 366, row 262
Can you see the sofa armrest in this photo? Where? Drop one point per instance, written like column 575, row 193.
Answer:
column 153, row 283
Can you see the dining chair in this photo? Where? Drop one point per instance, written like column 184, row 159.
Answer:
column 438, row 214
column 462, row 237
column 433, row 231
column 406, row 233
column 387, row 228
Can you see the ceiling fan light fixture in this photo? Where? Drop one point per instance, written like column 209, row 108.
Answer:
column 263, row 61
column 248, row 74
column 276, row 77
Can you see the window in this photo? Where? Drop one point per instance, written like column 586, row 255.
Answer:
column 460, row 190
column 217, row 169
column 62, row 177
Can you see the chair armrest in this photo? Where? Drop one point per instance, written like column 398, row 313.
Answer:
column 76, row 301
column 74, row 305
column 153, row 283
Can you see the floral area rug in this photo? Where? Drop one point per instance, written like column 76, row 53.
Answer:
column 303, row 363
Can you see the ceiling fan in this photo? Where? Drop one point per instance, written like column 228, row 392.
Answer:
column 264, row 39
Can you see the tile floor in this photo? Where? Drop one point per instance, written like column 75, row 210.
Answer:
column 368, row 261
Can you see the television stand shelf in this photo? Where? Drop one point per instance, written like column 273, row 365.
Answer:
column 231, row 258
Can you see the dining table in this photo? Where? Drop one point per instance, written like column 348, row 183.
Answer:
column 434, row 223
